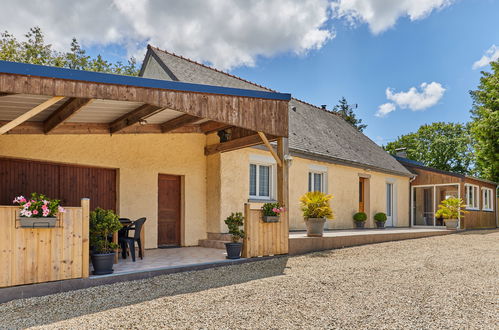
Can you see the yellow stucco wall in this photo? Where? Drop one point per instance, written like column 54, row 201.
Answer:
column 342, row 182
column 139, row 158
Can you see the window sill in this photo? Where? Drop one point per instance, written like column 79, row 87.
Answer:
column 257, row 200
column 487, row 210
column 470, row 209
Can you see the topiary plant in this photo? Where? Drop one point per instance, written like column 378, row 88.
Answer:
column 234, row 222
column 360, row 217
column 103, row 223
column 315, row 204
column 380, row 217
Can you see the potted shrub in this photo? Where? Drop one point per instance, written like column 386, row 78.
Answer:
column 450, row 210
column 360, row 219
column 38, row 211
column 316, row 210
column 103, row 223
column 271, row 212
column 234, row 222
column 380, row 219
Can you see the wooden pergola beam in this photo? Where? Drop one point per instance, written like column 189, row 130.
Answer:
column 133, row 117
column 178, row 122
column 271, row 149
column 64, row 112
column 213, row 126
column 29, row 114
column 36, row 127
column 243, row 142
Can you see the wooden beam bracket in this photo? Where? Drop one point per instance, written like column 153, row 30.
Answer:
column 271, row 149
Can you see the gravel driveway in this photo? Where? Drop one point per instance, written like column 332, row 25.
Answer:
column 440, row 282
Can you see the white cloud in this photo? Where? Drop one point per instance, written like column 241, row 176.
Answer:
column 491, row 55
column 381, row 15
column 224, row 33
column 385, row 109
column 427, row 96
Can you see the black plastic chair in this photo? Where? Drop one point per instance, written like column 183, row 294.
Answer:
column 125, row 241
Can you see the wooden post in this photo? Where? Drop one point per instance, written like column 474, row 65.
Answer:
column 85, row 219
column 246, row 241
column 283, row 188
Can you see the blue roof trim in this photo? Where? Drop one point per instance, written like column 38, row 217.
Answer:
column 107, row 78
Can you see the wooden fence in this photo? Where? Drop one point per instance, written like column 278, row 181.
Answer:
column 264, row 239
column 36, row 255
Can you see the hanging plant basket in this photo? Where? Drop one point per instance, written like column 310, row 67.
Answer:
column 271, row 218
column 37, row 222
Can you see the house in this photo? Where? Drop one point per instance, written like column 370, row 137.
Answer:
column 328, row 155
column 431, row 186
column 131, row 144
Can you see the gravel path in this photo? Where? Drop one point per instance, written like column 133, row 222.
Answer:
column 440, row 282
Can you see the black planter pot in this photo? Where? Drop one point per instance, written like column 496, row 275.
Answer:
column 233, row 250
column 380, row 225
column 103, row 263
column 360, row 224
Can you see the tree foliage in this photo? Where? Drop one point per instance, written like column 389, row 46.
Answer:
column 34, row 50
column 445, row 146
column 345, row 110
column 484, row 124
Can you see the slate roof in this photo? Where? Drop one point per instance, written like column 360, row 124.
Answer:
column 313, row 132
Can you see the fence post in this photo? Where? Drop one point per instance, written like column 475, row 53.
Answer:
column 85, row 220
column 247, row 226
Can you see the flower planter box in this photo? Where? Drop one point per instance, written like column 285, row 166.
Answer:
column 37, row 222
column 269, row 218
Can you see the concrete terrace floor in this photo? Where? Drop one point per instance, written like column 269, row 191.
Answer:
column 449, row 281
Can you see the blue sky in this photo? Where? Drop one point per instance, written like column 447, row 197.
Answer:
column 360, row 66
column 317, row 50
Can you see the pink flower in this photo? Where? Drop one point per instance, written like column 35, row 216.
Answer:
column 28, row 204
column 61, row 209
column 45, row 202
column 22, row 199
column 35, row 212
column 274, row 210
column 45, row 213
column 27, row 214
column 44, row 207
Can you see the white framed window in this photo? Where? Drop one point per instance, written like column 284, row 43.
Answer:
column 488, row 204
column 471, row 192
column 316, row 181
column 317, row 178
column 261, row 179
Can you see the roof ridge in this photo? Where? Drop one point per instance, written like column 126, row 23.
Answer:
column 211, row 68
column 239, row 78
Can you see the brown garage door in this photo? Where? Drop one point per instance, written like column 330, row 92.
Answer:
column 69, row 183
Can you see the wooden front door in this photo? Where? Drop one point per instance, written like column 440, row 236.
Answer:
column 169, row 199
column 362, row 192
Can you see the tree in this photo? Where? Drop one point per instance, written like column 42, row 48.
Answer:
column 34, row 50
column 345, row 110
column 445, row 146
column 484, row 124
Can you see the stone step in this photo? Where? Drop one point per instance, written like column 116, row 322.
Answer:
column 219, row 236
column 212, row 243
